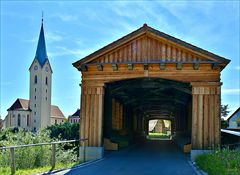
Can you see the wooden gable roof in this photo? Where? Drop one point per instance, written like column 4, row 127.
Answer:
column 148, row 45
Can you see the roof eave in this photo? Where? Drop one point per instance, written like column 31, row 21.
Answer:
column 146, row 29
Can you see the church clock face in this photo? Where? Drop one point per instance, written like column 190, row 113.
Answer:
column 36, row 67
column 46, row 69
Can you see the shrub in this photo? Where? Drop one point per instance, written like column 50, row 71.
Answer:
column 66, row 131
column 35, row 156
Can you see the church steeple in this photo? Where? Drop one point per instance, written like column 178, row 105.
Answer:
column 41, row 53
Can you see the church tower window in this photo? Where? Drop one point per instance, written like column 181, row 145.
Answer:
column 19, row 120
column 35, row 79
column 46, row 81
column 28, row 120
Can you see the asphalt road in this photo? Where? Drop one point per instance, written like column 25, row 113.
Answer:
column 153, row 157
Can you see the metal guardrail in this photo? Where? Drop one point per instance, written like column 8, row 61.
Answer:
column 12, row 160
column 232, row 145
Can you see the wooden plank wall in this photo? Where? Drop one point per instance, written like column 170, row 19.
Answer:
column 149, row 49
column 117, row 115
column 205, row 116
column 92, row 100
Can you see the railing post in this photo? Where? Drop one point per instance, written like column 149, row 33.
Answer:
column 53, row 155
column 84, row 151
column 12, row 162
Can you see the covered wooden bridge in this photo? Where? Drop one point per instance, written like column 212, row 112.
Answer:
column 145, row 75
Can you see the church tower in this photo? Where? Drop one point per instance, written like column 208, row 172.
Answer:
column 40, row 86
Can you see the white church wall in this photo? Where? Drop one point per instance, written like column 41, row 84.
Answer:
column 40, row 94
column 12, row 119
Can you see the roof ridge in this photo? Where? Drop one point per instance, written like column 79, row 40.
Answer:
column 144, row 29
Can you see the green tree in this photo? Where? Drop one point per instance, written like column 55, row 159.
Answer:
column 65, row 131
column 224, row 124
column 224, row 110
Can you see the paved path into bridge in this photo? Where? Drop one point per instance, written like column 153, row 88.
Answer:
column 153, row 157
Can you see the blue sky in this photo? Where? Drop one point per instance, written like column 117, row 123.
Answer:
column 75, row 29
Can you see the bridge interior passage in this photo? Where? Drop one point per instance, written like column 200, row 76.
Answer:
column 130, row 104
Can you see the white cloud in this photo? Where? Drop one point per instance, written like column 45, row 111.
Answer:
column 62, row 51
column 66, row 17
column 230, row 91
column 237, row 67
column 52, row 36
column 49, row 36
column 33, row 40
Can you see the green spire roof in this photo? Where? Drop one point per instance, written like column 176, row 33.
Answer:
column 41, row 53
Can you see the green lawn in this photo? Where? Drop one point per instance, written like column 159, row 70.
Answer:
column 220, row 162
column 157, row 135
column 6, row 171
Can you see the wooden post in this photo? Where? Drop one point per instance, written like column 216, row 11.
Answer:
column 92, row 114
column 12, row 162
column 205, row 115
column 53, row 155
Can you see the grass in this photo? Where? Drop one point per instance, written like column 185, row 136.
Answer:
column 157, row 135
column 7, row 171
column 220, row 162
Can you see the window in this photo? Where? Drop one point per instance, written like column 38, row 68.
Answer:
column 35, row 113
column 34, row 121
column 46, row 98
column 46, row 81
column 35, row 105
column 46, row 90
column 28, row 120
column 19, row 120
column 35, row 97
column 35, row 89
column 35, row 79
column 55, row 122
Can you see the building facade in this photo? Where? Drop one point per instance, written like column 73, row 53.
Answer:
column 37, row 112
column 234, row 120
column 75, row 118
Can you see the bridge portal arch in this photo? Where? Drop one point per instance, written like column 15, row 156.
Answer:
column 162, row 70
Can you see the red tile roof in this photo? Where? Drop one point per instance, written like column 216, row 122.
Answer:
column 56, row 112
column 23, row 104
column 20, row 104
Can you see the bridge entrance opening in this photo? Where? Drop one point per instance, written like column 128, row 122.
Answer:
column 133, row 106
column 159, row 129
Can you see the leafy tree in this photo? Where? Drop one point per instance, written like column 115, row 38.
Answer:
column 224, row 124
column 65, row 131
column 224, row 110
